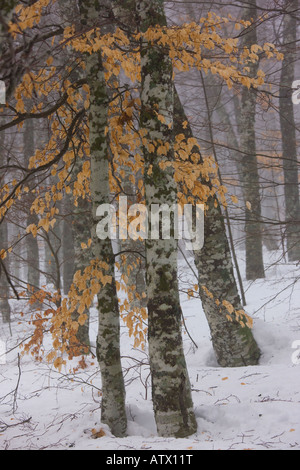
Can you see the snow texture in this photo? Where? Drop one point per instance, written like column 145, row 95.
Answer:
column 242, row 408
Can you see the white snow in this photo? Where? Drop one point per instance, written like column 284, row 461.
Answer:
column 244, row 408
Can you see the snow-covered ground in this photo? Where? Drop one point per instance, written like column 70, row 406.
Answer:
column 243, row 408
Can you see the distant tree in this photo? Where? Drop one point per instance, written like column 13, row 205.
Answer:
column 233, row 341
column 250, row 175
column 288, row 130
column 33, row 258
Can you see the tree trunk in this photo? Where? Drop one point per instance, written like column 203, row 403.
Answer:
column 250, row 176
column 4, row 285
column 108, row 340
column 288, row 130
column 171, row 394
column 133, row 251
column 81, row 228
column 8, row 68
column 33, row 264
column 78, row 215
column 67, row 246
column 234, row 345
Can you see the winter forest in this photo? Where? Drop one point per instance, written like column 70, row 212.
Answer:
column 149, row 225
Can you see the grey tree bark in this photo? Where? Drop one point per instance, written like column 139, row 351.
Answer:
column 68, row 250
column 108, row 340
column 233, row 344
column 249, row 167
column 81, row 232
column 4, row 285
column 288, row 130
column 171, row 393
column 8, row 67
column 33, row 264
column 76, row 225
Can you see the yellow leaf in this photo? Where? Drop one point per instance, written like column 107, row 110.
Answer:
column 58, row 363
column 98, row 434
column 32, row 229
column 228, row 306
column 161, row 118
column 82, row 319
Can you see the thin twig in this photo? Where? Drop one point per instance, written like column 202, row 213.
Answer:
column 15, row 406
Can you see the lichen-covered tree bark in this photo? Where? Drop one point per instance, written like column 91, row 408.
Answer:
column 288, row 130
column 171, row 394
column 8, row 68
column 108, row 340
column 6, row 13
column 7, row 8
column 234, row 345
column 249, row 167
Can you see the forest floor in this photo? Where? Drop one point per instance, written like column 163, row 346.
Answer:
column 238, row 408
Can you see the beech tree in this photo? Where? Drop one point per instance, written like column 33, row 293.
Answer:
column 250, row 176
column 81, row 218
column 33, row 263
column 108, row 340
column 230, row 326
column 232, row 340
column 77, row 225
column 102, row 133
column 288, row 130
column 171, row 392
column 4, row 284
